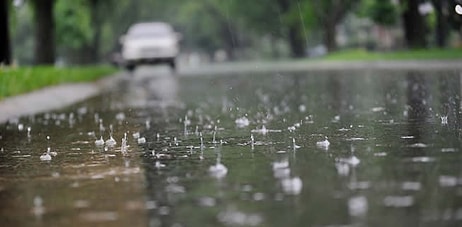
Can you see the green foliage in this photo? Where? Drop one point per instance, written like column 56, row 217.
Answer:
column 384, row 12
column 14, row 81
column 73, row 23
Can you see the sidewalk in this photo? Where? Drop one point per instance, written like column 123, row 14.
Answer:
column 52, row 98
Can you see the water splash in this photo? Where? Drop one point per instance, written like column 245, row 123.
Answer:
column 38, row 210
column 141, row 140
column 214, row 141
column 218, row 170
column 357, row 206
column 242, row 122
column 111, row 141
column 47, row 156
column 100, row 141
column 202, row 140
column 124, row 147
column 292, row 186
column 323, row 144
column 444, row 120
column 294, row 145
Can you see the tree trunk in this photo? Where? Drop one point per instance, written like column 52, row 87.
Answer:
column 96, row 26
column 442, row 26
column 296, row 42
column 44, row 32
column 5, row 47
column 414, row 25
column 330, row 34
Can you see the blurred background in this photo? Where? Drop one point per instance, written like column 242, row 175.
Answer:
column 81, row 32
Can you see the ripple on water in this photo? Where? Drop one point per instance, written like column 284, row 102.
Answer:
column 398, row 201
column 237, row 218
column 99, row 216
column 447, row 181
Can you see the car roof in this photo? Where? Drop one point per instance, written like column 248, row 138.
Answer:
column 150, row 26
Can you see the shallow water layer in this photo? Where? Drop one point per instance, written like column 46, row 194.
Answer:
column 354, row 148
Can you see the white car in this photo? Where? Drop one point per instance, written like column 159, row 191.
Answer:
column 150, row 43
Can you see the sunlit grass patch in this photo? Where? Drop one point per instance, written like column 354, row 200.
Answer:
column 14, row 81
column 422, row 54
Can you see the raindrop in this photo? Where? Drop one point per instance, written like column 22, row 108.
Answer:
column 120, row 117
column 444, row 120
column 292, row 186
column 218, row 170
column 141, row 140
column 111, row 141
column 213, row 138
column 343, row 169
column 100, row 141
column 202, row 140
column 20, row 127
column 38, row 208
column 323, row 144
column 242, row 122
column 159, row 165
column 295, row 146
column 123, row 147
column 148, row 124
column 45, row 157
column 357, row 206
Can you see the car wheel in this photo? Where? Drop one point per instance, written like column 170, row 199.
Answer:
column 172, row 65
column 130, row 67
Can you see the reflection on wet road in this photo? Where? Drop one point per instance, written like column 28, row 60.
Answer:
column 354, row 148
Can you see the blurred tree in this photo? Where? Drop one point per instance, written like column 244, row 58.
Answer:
column 73, row 29
column 209, row 25
column 415, row 30
column 44, row 31
column 442, row 21
column 382, row 12
column 96, row 19
column 329, row 13
column 5, row 46
column 294, row 24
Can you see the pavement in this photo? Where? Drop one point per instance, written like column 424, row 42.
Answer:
column 63, row 95
column 53, row 97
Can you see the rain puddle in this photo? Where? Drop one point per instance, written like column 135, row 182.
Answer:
column 359, row 148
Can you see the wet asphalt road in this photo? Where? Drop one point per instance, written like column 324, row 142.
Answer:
column 242, row 148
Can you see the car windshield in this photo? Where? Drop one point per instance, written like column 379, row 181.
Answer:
column 150, row 30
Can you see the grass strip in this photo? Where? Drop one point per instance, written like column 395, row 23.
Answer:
column 421, row 54
column 14, row 81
